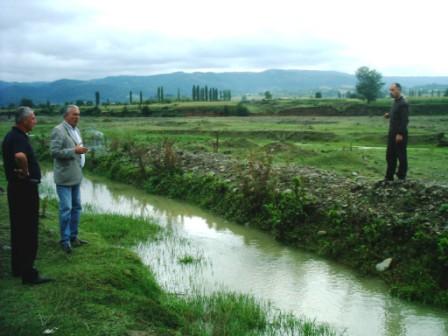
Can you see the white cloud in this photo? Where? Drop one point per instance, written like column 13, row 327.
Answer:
column 46, row 40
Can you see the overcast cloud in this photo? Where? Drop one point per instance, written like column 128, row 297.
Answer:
column 47, row 40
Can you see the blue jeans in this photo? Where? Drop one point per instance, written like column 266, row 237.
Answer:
column 69, row 211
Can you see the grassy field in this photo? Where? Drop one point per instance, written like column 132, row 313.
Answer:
column 351, row 146
column 348, row 145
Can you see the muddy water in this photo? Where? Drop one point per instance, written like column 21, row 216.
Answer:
column 229, row 256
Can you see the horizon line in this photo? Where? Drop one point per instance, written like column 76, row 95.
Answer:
column 215, row 72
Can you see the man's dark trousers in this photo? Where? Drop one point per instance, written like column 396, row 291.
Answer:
column 396, row 152
column 23, row 200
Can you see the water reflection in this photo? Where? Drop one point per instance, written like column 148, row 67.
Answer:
column 250, row 261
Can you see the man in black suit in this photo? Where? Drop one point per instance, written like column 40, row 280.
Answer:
column 23, row 174
column 398, row 135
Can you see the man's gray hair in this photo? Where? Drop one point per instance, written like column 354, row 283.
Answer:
column 22, row 113
column 69, row 108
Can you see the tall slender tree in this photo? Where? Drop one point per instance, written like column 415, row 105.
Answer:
column 160, row 94
column 97, row 98
column 202, row 95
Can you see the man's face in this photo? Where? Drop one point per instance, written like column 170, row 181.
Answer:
column 72, row 117
column 29, row 122
column 394, row 91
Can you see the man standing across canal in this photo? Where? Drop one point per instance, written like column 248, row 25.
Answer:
column 398, row 135
column 23, row 174
column 68, row 160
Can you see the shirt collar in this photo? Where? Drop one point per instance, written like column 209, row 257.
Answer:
column 70, row 126
column 15, row 128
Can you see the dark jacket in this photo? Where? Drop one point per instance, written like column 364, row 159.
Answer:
column 399, row 117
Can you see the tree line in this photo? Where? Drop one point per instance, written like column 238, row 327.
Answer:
column 209, row 94
column 198, row 94
column 369, row 87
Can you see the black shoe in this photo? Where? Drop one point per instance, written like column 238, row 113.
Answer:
column 36, row 281
column 383, row 182
column 78, row 242
column 67, row 248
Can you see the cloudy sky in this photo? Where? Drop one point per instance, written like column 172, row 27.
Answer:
column 83, row 39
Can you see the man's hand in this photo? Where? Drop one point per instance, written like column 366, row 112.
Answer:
column 398, row 138
column 386, row 115
column 81, row 149
column 21, row 174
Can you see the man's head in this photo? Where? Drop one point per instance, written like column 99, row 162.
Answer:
column 72, row 115
column 25, row 118
column 395, row 90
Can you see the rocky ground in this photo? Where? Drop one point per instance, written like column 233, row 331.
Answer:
column 404, row 199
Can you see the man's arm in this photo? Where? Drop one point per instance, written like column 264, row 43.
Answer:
column 56, row 146
column 402, row 122
column 21, row 160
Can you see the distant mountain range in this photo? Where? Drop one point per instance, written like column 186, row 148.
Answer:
column 116, row 89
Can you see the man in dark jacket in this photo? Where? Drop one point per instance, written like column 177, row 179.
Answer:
column 23, row 174
column 398, row 135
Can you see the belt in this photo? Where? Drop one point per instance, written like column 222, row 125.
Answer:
column 30, row 180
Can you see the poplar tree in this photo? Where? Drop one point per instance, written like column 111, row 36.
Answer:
column 97, row 98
